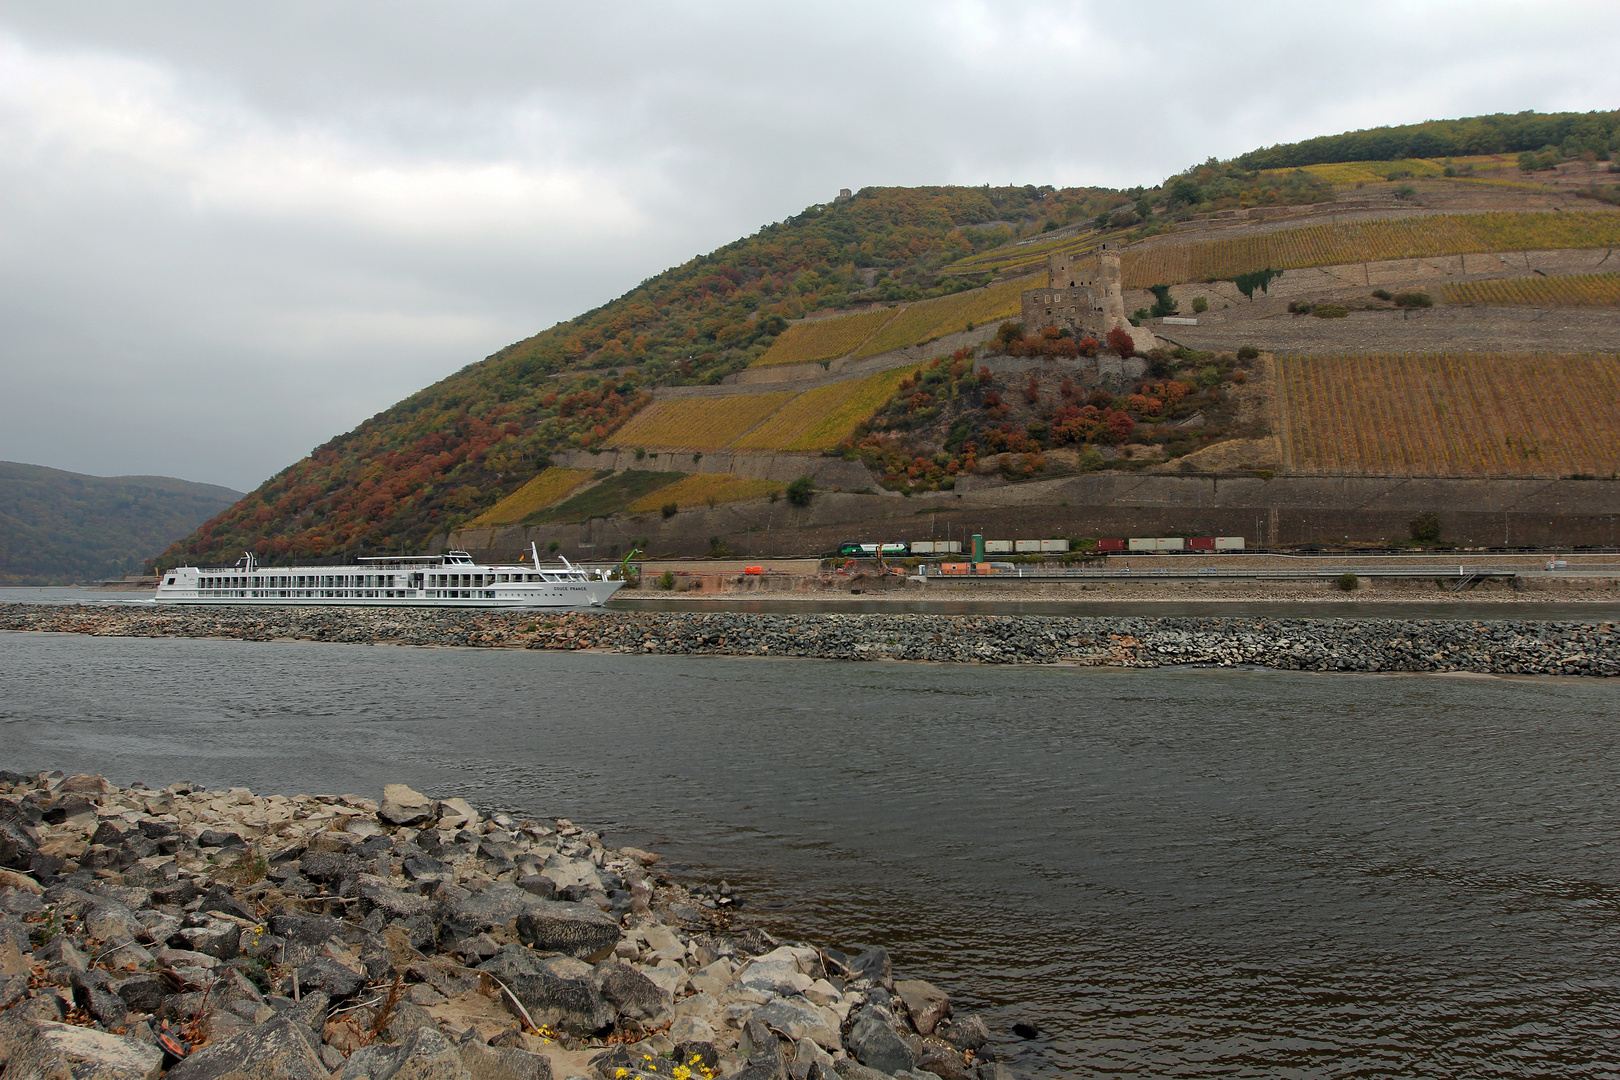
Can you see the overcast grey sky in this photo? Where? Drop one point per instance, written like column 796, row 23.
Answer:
column 231, row 231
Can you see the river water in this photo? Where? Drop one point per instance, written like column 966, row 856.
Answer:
column 1185, row 873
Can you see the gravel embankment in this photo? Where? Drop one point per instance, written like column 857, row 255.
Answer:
column 221, row 935
column 1506, row 646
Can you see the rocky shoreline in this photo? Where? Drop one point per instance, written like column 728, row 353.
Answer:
column 220, row 935
column 1495, row 646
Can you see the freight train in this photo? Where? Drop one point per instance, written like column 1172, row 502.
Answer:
column 853, row 549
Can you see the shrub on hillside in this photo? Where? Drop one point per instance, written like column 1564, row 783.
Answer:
column 1413, row 299
column 801, row 491
column 1425, row 528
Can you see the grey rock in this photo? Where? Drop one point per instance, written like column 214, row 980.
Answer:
column 926, row 1003
column 328, row 867
column 402, row 806
column 275, row 1050
column 964, row 1032
column 377, row 895
column 217, row 899
column 503, row 1063
column 558, row 991
column 497, row 905
column 538, row 885
column 211, row 936
column 428, row 871
column 143, row 993
column 327, row 976
column 574, row 929
column 944, row 1064
column 873, row 964
column 214, row 838
column 52, row 1051
column 794, row 1019
column 112, row 922
column 631, row 993
column 876, row 1045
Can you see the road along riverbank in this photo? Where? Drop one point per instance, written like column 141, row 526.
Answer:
column 200, row 934
column 1506, row 646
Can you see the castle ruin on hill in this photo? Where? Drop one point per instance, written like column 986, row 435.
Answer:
column 1084, row 295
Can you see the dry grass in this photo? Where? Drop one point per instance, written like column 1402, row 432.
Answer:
column 1366, row 241
column 1568, row 290
column 709, row 423
column 822, row 418
column 823, row 339
column 929, row 319
column 706, row 489
column 549, row 487
column 1451, row 414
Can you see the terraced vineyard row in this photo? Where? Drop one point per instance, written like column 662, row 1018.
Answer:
column 705, row 489
column 1368, row 172
column 823, row 339
column 820, row 419
column 816, row 419
column 1003, row 259
column 1451, row 414
column 708, row 423
column 930, row 319
column 1366, row 241
column 1568, row 290
column 551, row 485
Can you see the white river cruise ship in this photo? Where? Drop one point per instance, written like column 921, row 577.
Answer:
column 449, row 580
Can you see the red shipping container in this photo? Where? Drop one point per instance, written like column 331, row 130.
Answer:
column 1201, row 543
column 1110, row 545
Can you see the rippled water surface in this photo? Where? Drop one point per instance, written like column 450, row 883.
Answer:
column 1172, row 873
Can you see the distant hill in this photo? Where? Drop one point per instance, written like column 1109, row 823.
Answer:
column 60, row 527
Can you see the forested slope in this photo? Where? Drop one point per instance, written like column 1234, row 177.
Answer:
column 60, row 527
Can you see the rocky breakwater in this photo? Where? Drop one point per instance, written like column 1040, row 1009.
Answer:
column 1507, row 646
column 219, row 935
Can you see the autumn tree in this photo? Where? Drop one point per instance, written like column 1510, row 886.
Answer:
column 1119, row 340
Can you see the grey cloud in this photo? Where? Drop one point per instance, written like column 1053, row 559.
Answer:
column 230, row 232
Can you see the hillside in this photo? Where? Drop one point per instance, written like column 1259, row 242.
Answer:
column 60, row 527
column 873, row 320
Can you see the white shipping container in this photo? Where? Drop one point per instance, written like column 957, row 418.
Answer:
column 1229, row 543
column 936, row 547
column 1170, row 543
column 1141, row 543
column 1026, row 547
column 1055, row 546
column 922, row 547
column 998, row 547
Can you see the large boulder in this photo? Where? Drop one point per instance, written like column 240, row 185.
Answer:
column 277, row 1049
column 402, row 806
column 497, row 905
column 19, row 840
column 875, row 1044
column 631, row 992
column 558, row 991
column 580, row 930
column 796, row 1019
column 425, row 1055
column 377, row 895
column 927, row 1003
column 485, row 1062
column 31, row 1049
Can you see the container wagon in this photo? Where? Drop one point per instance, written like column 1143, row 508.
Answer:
column 936, row 547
